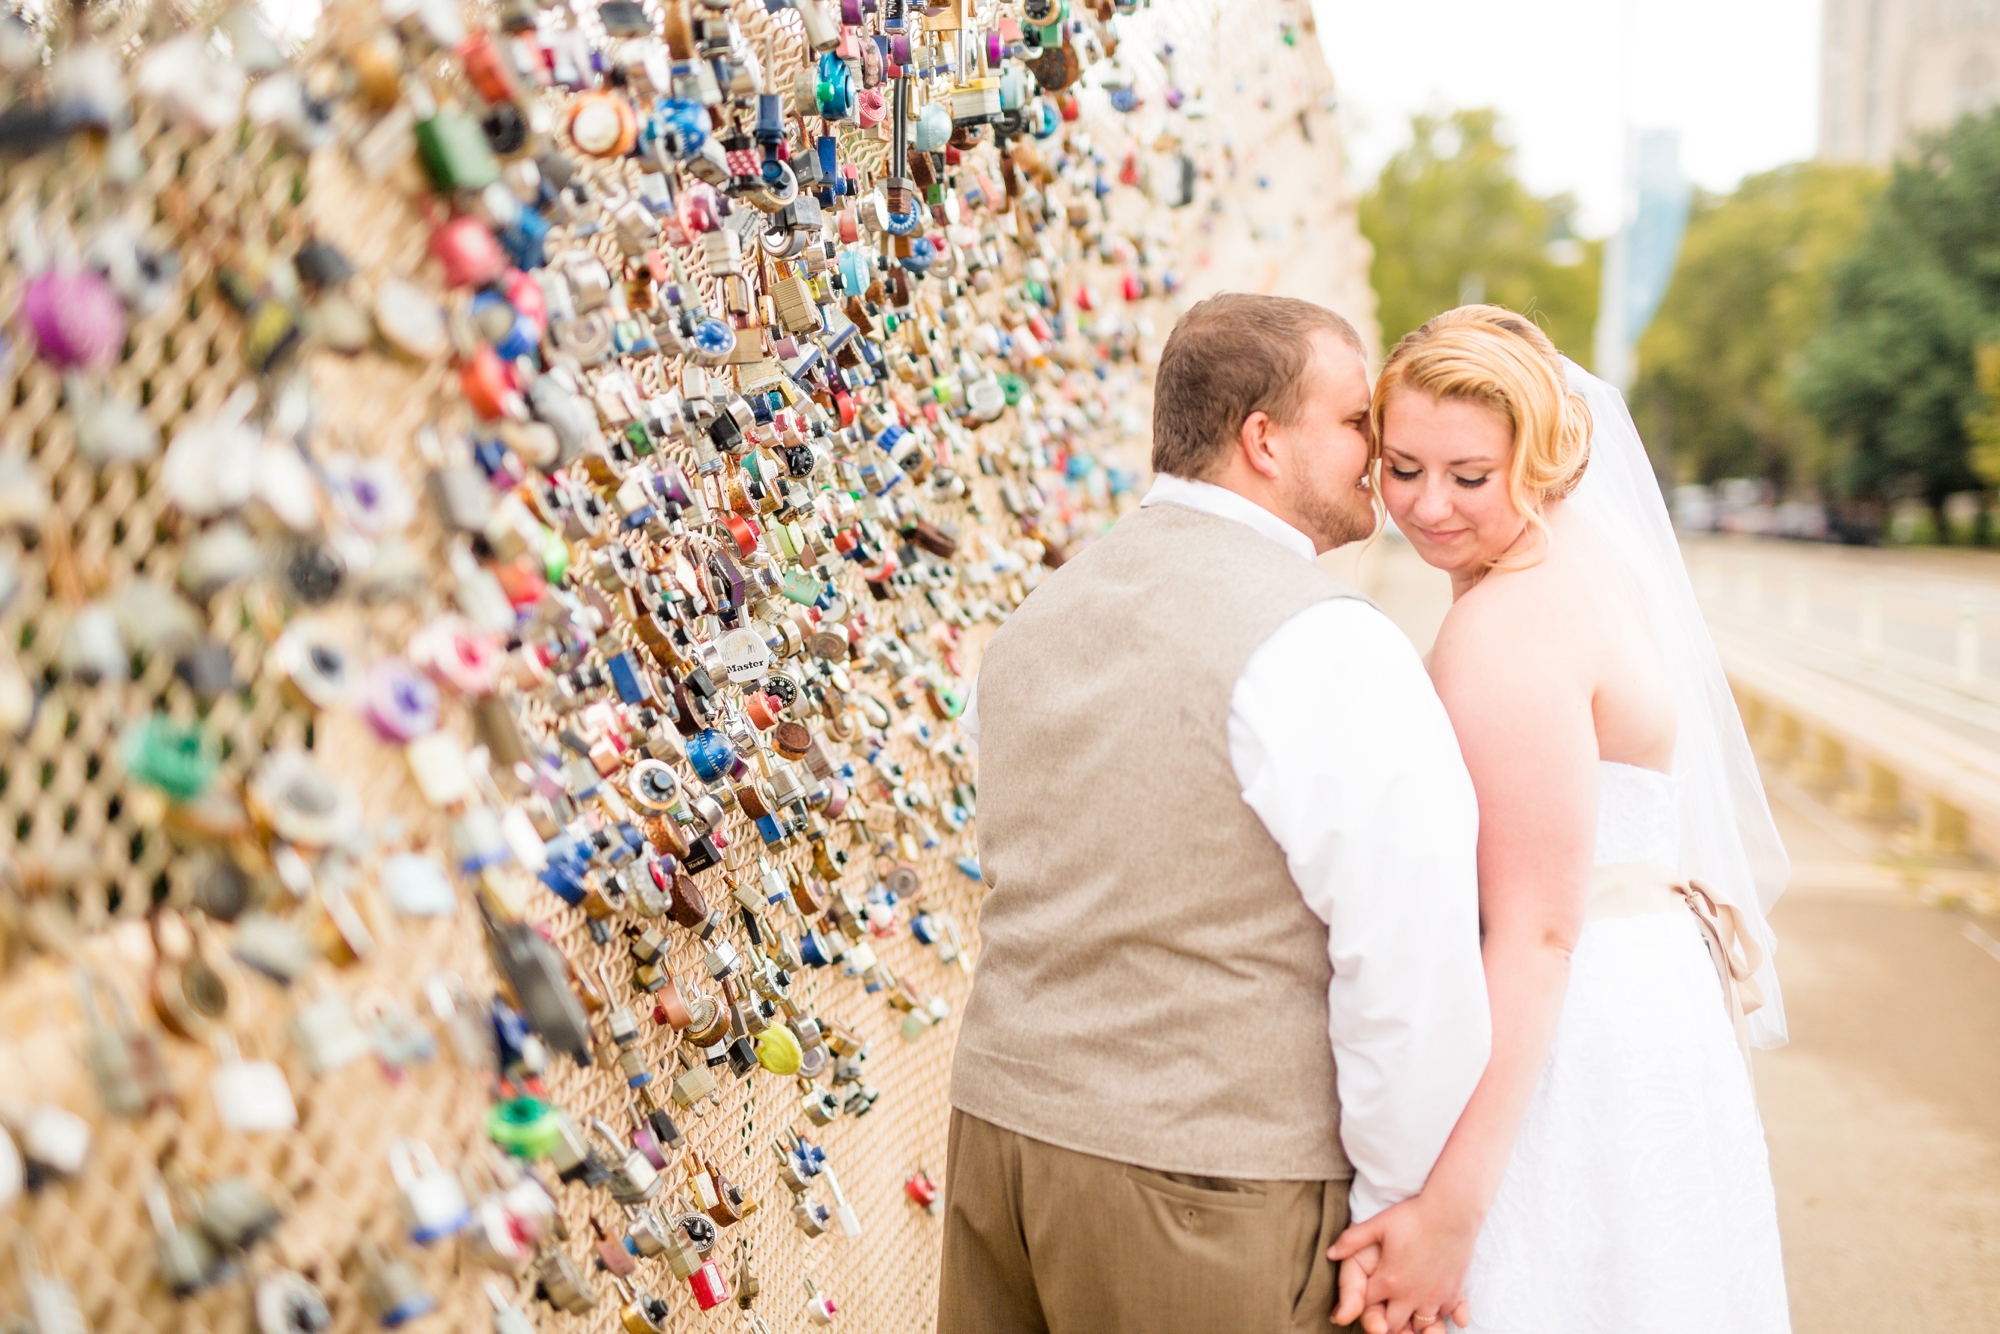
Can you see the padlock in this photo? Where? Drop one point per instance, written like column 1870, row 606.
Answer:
column 507, row 1317
column 434, row 1203
column 612, row 1256
column 693, row 1084
column 285, row 1302
column 811, row 1217
column 748, row 1285
column 710, row 1288
column 236, row 1215
column 631, row 1179
column 681, row 1256
column 52, row 1306
column 123, row 1059
column 188, row 1261
column 820, row 1308
column 55, row 1141
column 820, row 1106
column 327, row 1033
column 641, row 1312
column 645, row 1231
column 563, row 1283
column 391, row 1287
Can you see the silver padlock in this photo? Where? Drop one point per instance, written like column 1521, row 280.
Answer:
column 632, row 1180
column 564, row 1284
column 285, row 1302
column 187, row 1258
column 811, row 1217
column 434, row 1203
column 236, row 1215
column 54, row 1139
column 392, row 1288
column 327, row 1033
column 820, row 1308
column 646, row 1231
column 52, row 1307
column 507, row 1317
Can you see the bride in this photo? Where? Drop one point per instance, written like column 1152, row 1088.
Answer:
column 1610, row 1170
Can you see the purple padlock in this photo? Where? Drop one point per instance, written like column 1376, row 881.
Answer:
column 76, row 319
column 399, row 702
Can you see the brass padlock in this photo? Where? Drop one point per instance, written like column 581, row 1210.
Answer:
column 641, row 1312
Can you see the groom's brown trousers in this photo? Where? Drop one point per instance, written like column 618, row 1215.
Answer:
column 1038, row 1238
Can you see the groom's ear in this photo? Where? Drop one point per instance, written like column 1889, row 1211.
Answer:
column 1254, row 445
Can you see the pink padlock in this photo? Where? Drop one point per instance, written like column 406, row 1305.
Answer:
column 76, row 318
column 869, row 108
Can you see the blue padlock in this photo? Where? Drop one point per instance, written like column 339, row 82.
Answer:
column 711, row 755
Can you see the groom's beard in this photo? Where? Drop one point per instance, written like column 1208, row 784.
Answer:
column 1334, row 518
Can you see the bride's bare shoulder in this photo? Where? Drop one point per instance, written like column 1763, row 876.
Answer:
column 1513, row 613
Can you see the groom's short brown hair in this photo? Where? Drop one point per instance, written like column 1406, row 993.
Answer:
column 1228, row 357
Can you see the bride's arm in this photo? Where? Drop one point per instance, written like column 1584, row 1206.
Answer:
column 1519, row 696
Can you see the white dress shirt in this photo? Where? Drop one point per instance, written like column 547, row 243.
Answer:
column 1343, row 750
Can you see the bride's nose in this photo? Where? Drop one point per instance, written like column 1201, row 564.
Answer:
column 1433, row 503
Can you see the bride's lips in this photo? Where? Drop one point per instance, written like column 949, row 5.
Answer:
column 1434, row 536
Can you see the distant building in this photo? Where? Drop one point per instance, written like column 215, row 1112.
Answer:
column 1889, row 68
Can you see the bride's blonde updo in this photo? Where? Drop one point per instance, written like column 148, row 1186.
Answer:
column 1490, row 355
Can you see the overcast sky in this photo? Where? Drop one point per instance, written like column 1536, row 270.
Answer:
column 1738, row 78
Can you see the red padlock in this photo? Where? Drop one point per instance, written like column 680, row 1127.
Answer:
column 744, row 531
column 711, row 1289
column 762, row 711
column 469, row 253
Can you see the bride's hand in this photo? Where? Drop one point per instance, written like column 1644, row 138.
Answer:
column 1425, row 1247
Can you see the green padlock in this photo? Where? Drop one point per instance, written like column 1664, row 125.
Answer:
column 180, row 761
column 802, row 588
column 455, row 152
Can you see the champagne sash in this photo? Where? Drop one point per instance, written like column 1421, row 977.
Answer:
column 1634, row 889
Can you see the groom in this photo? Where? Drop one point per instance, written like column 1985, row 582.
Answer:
column 1230, row 992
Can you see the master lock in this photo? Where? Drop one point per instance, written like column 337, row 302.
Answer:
column 434, row 1203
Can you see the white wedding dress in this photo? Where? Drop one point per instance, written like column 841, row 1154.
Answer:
column 1638, row 1199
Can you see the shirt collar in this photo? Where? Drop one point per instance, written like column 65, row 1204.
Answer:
column 1223, row 503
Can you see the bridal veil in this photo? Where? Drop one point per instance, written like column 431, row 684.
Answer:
column 1728, row 839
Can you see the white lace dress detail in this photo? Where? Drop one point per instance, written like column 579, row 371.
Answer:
column 1638, row 1198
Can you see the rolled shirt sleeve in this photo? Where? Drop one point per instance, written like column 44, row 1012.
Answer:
column 1345, row 753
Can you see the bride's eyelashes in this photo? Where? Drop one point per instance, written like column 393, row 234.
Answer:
column 1411, row 475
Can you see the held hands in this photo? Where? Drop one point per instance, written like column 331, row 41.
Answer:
column 1406, row 1268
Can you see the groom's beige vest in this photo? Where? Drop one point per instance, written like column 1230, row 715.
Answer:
column 1150, row 987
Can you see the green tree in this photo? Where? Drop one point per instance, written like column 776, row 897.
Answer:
column 1451, row 222
column 1716, row 367
column 1892, row 376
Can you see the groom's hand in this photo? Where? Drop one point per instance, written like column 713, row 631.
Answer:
column 1354, row 1273
column 1422, row 1249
